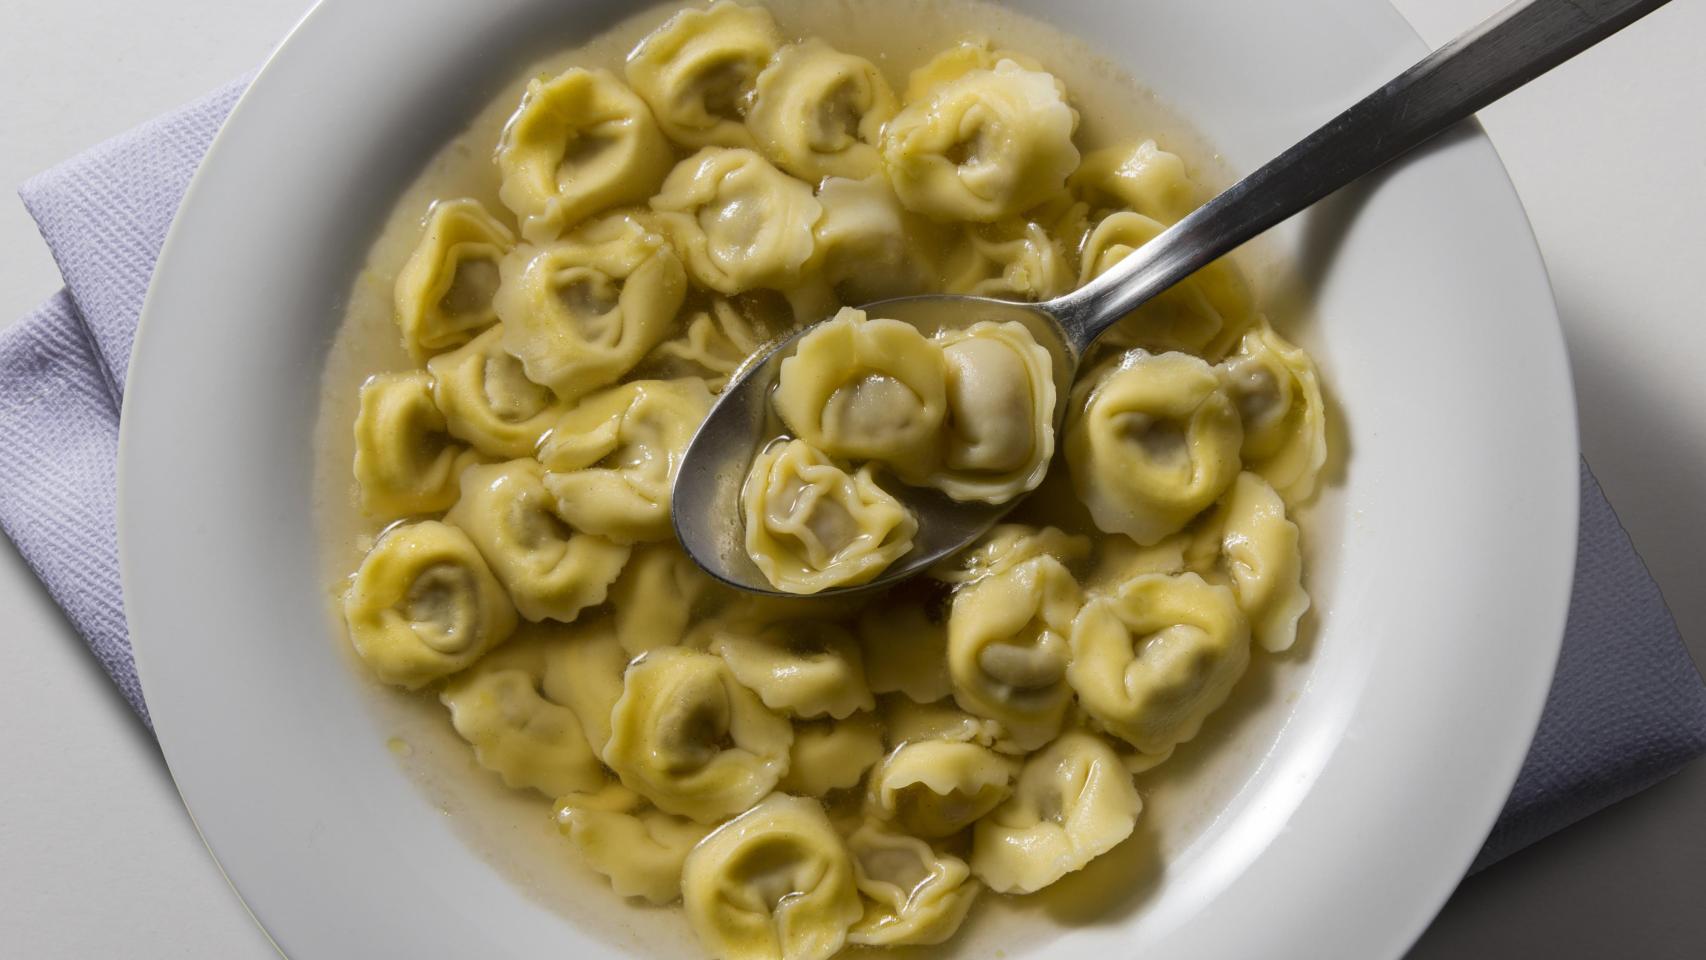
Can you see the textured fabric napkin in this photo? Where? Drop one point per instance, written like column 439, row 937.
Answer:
column 1627, row 707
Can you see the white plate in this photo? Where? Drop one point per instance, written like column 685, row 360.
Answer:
column 1354, row 802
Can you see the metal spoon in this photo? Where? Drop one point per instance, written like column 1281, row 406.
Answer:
column 1516, row 45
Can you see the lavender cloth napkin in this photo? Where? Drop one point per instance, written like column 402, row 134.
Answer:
column 1627, row 707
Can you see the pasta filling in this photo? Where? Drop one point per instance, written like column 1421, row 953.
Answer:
column 433, row 605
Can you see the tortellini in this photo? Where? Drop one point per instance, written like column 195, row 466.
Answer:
column 832, row 754
column 424, row 605
column 590, row 679
column 487, row 400
column 1120, row 558
column 972, row 53
column 580, row 144
column 512, row 707
column 1154, row 442
column 660, row 591
column 1008, row 649
column 698, row 71
column 1203, row 314
column 1007, row 545
column 582, row 311
column 550, row 570
column 1073, row 802
column 774, row 883
column 866, row 245
column 688, row 737
column 936, row 788
column 970, row 412
column 1143, row 178
column 914, row 894
column 984, row 145
column 905, row 638
column 611, row 460
column 1009, row 260
column 1000, row 422
column 1260, row 547
column 806, row 668
column 405, row 460
column 810, row 524
column 717, row 341
column 907, row 720
column 861, row 388
column 640, row 850
column 1279, row 398
column 739, row 222
column 444, row 292
column 1151, row 662
column 817, row 112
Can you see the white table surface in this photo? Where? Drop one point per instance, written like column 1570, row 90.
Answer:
column 98, row 857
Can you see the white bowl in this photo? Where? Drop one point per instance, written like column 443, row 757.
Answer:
column 1329, row 814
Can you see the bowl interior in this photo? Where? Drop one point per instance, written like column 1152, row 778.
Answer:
column 1327, row 811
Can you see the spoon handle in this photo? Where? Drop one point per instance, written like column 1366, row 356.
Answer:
column 1511, row 48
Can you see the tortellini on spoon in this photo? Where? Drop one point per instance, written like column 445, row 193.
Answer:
column 775, row 883
column 1154, row 441
column 697, row 71
column 739, row 222
column 487, row 400
column 984, row 145
column 405, row 460
column 969, row 412
column 861, row 388
column 914, row 893
column 611, row 460
column 513, row 707
column 1073, row 802
column 424, row 605
column 811, row 525
column 1000, row 425
column 443, row 295
column 551, row 570
column 1151, row 662
column 687, row 736
column 580, row 144
column 582, row 311
column 817, row 112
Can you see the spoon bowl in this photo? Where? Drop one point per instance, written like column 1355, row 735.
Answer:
column 714, row 467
